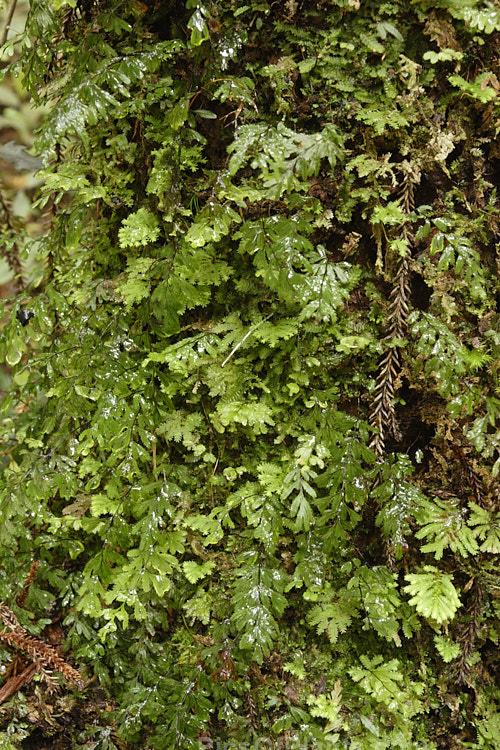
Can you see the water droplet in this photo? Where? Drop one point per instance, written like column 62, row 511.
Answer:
column 13, row 355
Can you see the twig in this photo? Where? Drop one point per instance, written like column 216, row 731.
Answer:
column 6, row 26
column 17, row 681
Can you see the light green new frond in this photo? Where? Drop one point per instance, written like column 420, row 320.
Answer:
column 327, row 706
column 433, row 594
column 486, row 528
column 139, row 228
column 447, row 650
column 379, row 678
column 137, row 284
column 194, row 571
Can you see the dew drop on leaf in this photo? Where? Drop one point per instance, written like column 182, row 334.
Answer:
column 13, row 355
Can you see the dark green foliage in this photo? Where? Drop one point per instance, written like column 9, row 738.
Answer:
column 252, row 429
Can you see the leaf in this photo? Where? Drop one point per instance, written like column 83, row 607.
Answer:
column 447, row 650
column 487, row 19
column 256, row 601
column 137, row 284
column 379, row 679
column 198, row 26
column 486, row 528
column 182, row 427
column 199, row 606
column 331, row 617
column 444, row 55
column 444, row 522
column 328, row 707
column 177, row 115
column 264, row 512
column 102, row 505
column 380, row 119
column 389, row 215
column 301, row 510
column 281, row 154
column 433, row 594
column 276, row 331
column 194, row 571
column 139, row 228
column 378, row 596
column 256, row 414
column 209, row 526
column 476, row 88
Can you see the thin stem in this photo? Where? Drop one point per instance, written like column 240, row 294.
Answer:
column 6, row 26
column 252, row 329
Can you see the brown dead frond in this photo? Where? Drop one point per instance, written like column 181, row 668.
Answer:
column 383, row 413
column 21, row 599
column 44, row 656
column 468, row 632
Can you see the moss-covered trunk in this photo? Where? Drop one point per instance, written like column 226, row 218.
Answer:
column 251, row 437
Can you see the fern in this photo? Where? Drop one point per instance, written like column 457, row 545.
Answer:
column 447, row 650
column 376, row 590
column 445, row 523
column 140, row 228
column 332, row 614
column 433, row 594
column 252, row 382
column 486, row 528
column 328, row 707
column 378, row 678
column 257, row 602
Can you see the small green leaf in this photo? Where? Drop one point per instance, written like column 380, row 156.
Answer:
column 198, row 26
